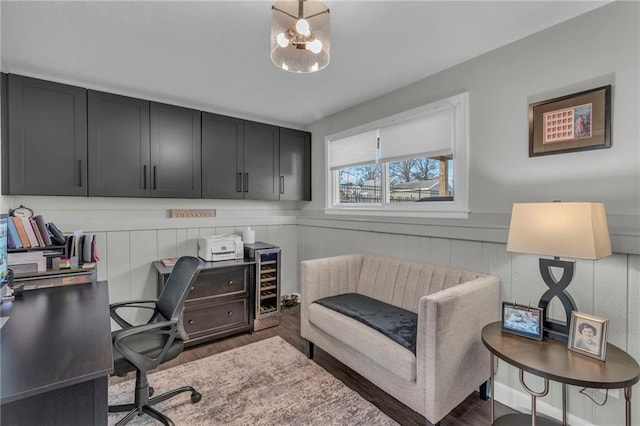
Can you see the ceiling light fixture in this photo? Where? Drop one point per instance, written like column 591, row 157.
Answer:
column 300, row 35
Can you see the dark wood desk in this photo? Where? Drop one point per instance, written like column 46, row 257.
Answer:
column 552, row 360
column 55, row 357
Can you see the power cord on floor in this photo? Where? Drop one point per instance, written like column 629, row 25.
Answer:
column 606, row 396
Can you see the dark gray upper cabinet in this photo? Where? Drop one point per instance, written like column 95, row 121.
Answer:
column 222, row 170
column 239, row 159
column 142, row 149
column 119, row 146
column 66, row 140
column 261, row 161
column 295, row 165
column 175, row 152
column 45, row 147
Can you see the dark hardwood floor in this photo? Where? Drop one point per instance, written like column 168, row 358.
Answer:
column 473, row 411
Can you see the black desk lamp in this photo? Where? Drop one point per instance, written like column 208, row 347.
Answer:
column 575, row 230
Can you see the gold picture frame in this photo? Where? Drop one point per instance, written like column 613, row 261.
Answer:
column 576, row 122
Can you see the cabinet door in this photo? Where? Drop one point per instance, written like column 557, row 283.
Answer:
column 295, row 165
column 261, row 158
column 118, row 146
column 46, row 150
column 175, row 152
column 221, row 156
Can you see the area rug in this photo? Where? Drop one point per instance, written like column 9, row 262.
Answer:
column 265, row 383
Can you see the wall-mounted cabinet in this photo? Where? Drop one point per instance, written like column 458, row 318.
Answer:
column 119, row 146
column 245, row 159
column 295, row 165
column 222, row 147
column 139, row 148
column 66, row 140
column 45, row 142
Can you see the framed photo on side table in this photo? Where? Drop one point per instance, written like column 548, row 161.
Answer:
column 576, row 122
column 525, row 321
column 588, row 335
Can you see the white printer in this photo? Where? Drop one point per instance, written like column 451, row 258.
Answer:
column 220, row 247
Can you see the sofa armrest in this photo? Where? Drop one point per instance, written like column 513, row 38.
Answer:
column 326, row 277
column 451, row 359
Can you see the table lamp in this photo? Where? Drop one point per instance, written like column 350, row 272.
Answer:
column 574, row 230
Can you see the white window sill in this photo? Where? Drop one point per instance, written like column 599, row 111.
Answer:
column 369, row 211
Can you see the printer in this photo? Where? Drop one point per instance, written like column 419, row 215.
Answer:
column 220, row 247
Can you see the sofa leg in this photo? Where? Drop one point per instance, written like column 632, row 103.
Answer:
column 485, row 390
column 310, row 347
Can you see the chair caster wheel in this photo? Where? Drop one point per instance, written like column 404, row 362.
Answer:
column 151, row 391
column 196, row 397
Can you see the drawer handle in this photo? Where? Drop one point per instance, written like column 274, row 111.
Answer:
column 190, row 321
column 192, row 288
column 230, row 313
column 229, row 282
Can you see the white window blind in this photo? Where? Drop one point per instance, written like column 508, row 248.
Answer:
column 353, row 150
column 426, row 135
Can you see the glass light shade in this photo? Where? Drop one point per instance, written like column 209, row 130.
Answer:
column 574, row 230
column 303, row 53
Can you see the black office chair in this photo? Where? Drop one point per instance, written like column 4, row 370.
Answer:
column 141, row 348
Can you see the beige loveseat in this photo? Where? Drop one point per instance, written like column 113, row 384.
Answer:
column 452, row 307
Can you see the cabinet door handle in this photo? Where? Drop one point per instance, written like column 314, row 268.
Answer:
column 229, row 282
column 154, row 178
column 144, row 177
column 238, row 182
column 190, row 321
column 80, row 173
column 229, row 313
column 246, row 182
column 282, row 184
column 192, row 288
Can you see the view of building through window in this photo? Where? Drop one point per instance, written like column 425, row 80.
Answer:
column 412, row 180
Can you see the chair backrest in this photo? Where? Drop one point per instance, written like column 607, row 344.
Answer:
column 174, row 294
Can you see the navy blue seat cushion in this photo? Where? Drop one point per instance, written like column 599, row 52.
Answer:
column 396, row 323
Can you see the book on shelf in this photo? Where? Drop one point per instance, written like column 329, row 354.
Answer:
column 22, row 234
column 33, row 240
column 36, row 231
column 169, row 261
column 44, row 232
column 14, row 234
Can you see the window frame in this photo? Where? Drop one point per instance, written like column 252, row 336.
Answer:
column 456, row 209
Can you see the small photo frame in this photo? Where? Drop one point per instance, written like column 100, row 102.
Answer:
column 577, row 122
column 525, row 321
column 588, row 335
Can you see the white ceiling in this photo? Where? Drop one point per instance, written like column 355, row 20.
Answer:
column 214, row 55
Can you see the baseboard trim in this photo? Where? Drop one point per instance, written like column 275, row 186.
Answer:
column 521, row 401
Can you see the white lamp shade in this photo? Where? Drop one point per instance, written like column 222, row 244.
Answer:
column 295, row 57
column 574, row 230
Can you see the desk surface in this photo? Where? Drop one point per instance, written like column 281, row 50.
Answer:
column 552, row 359
column 54, row 338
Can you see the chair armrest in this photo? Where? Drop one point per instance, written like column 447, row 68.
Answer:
column 142, row 362
column 138, row 304
column 451, row 359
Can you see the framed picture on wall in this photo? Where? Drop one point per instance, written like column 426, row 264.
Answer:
column 576, row 122
column 588, row 335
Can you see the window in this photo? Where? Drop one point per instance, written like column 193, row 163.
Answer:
column 410, row 164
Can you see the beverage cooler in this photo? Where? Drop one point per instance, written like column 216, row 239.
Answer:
column 267, row 286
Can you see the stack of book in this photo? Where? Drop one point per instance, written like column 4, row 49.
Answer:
column 30, row 232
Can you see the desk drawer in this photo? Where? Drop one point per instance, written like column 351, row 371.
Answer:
column 215, row 318
column 217, row 282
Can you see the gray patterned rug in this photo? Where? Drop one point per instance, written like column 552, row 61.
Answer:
column 265, row 383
